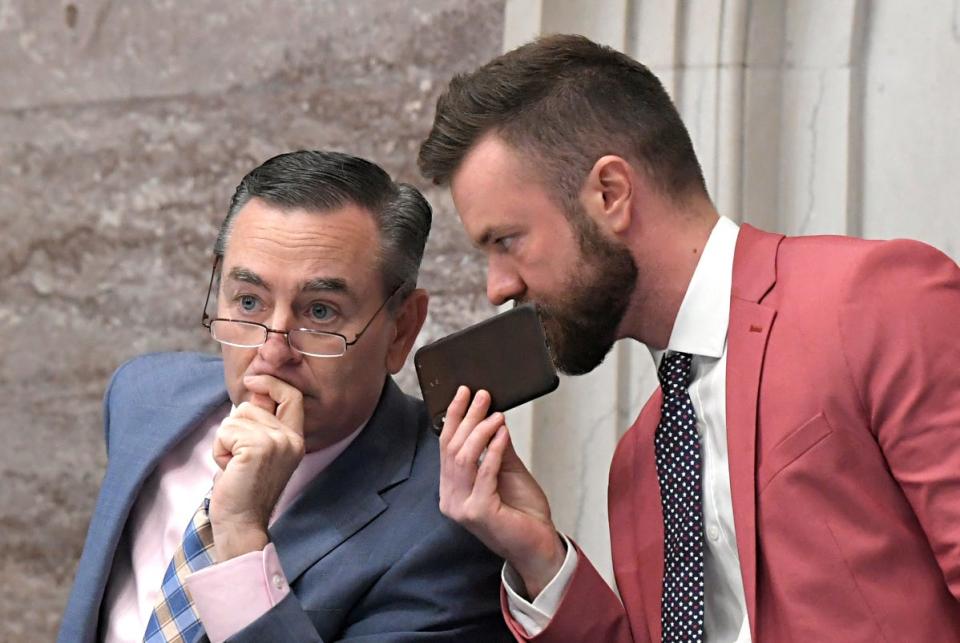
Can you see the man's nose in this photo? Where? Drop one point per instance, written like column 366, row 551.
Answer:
column 276, row 349
column 503, row 284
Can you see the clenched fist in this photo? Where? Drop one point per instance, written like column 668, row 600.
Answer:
column 257, row 447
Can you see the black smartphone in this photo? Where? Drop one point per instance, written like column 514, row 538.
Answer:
column 505, row 355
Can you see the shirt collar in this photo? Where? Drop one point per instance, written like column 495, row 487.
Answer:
column 704, row 316
column 313, row 464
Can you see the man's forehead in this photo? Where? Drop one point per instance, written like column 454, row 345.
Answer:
column 258, row 217
column 490, row 187
column 334, row 251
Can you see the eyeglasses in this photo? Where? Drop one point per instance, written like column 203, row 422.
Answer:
column 246, row 334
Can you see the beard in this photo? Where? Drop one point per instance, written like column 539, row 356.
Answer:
column 581, row 327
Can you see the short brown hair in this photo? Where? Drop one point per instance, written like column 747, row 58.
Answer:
column 566, row 101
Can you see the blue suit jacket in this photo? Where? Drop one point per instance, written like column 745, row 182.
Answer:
column 365, row 549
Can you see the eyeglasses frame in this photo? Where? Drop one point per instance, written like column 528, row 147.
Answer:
column 207, row 322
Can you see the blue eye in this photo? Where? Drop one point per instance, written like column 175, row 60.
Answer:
column 320, row 312
column 505, row 243
column 248, row 303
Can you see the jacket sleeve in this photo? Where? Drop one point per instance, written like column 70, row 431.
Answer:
column 443, row 589
column 589, row 611
column 900, row 329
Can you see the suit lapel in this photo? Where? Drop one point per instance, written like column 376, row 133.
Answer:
column 142, row 430
column 754, row 274
column 649, row 507
column 345, row 496
column 160, row 429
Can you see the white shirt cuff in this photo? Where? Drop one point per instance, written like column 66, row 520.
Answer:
column 232, row 594
column 534, row 617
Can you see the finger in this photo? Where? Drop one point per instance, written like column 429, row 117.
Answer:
column 479, row 407
column 479, row 439
column 242, row 437
column 460, row 471
column 255, row 413
column 263, row 402
column 289, row 400
column 229, row 435
column 224, row 443
column 475, row 413
column 487, row 480
column 454, row 415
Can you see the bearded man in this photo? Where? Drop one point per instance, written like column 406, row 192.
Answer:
column 797, row 475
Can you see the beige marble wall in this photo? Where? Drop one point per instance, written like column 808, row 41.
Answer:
column 123, row 128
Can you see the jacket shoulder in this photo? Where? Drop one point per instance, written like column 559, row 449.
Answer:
column 159, row 379
column 845, row 265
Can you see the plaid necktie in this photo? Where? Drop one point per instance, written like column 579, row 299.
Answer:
column 678, row 468
column 174, row 619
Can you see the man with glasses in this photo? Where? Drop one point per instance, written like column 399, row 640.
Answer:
column 287, row 491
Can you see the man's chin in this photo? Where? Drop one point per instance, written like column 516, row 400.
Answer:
column 574, row 348
column 582, row 361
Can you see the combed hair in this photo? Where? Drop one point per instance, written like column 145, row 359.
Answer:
column 563, row 102
column 321, row 181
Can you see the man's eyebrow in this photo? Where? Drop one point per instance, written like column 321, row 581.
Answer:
column 326, row 284
column 489, row 234
column 249, row 277
column 317, row 284
column 483, row 239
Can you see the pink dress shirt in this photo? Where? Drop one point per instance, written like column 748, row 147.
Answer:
column 229, row 595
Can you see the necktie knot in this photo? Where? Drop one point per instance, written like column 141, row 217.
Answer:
column 674, row 371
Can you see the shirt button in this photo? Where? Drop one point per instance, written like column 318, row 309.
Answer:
column 713, row 533
column 278, row 581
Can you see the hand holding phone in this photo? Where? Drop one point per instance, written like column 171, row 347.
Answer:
column 495, row 497
column 468, row 379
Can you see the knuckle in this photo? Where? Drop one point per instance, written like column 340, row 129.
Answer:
column 472, row 515
column 225, row 429
column 296, row 444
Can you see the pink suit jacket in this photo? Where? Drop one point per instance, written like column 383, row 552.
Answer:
column 843, row 430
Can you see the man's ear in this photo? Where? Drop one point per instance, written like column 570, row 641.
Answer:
column 408, row 321
column 608, row 193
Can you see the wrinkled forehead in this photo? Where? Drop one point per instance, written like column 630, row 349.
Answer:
column 294, row 249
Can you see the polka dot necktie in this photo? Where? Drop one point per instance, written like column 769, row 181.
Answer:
column 175, row 619
column 678, row 468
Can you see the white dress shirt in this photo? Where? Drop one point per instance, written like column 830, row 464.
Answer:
column 701, row 330
column 164, row 506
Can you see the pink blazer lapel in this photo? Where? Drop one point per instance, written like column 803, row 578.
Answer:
column 648, row 514
column 754, row 274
